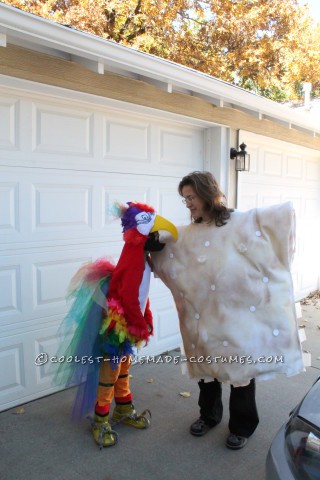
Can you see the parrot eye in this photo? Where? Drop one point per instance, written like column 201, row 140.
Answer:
column 143, row 218
column 145, row 221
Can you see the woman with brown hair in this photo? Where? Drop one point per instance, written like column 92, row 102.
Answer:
column 206, row 202
column 229, row 274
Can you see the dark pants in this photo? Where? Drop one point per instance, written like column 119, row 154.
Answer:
column 244, row 417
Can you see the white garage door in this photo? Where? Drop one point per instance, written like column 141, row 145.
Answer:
column 280, row 172
column 62, row 164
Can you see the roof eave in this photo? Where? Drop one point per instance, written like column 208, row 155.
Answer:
column 33, row 29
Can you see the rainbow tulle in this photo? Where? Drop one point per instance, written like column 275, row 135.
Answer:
column 93, row 329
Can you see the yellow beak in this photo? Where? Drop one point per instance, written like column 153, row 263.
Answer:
column 161, row 223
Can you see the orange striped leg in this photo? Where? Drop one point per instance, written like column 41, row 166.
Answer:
column 122, row 393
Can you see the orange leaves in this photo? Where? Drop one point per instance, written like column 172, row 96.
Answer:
column 266, row 46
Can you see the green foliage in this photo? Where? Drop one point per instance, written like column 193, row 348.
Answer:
column 272, row 92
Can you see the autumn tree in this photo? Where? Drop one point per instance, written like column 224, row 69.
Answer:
column 267, row 46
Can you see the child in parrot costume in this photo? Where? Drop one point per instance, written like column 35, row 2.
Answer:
column 111, row 315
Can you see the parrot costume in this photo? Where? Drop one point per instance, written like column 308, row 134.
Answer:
column 110, row 315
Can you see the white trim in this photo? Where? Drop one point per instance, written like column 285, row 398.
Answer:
column 34, row 30
column 216, row 158
column 3, row 40
column 277, row 143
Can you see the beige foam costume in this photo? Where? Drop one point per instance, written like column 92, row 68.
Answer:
column 233, row 290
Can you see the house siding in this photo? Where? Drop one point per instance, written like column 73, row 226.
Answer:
column 39, row 67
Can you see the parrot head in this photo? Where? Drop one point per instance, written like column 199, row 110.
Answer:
column 144, row 219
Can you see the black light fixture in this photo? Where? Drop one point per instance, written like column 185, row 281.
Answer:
column 242, row 158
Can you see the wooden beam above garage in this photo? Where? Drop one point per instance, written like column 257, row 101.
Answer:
column 39, row 67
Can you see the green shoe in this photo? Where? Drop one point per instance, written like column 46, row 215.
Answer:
column 126, row 414
column 102, row 432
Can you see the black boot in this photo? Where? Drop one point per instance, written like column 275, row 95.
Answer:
column 211, row 408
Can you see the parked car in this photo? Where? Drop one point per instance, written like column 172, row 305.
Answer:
column 295, row 451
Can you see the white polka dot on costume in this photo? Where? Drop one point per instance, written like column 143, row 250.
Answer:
column 193, row 345
column 225, row 343
column 213, row 287
column 258, row 233
column 202, row 259
column 181, row 294
column 204, row 335
column 265, row 279
column 207, row 243
column 275, row 332
column 197, row 316
column 171, row 255
column 252, row 308
column 242, row 248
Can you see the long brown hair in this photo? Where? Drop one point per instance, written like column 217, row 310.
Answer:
column 207, row 188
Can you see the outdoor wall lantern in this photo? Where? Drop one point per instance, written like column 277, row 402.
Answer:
column 242, row 158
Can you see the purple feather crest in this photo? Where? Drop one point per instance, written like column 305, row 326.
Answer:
column 128, row 219
column 128, row 212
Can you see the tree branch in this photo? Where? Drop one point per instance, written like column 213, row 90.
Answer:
column 187, row 17
column 130, row 17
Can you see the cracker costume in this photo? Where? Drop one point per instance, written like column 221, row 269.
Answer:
column 233, row 291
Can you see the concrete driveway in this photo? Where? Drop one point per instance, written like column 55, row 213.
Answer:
column 42, row 444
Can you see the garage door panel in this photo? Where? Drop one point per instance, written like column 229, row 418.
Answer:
column 169, row 149
column 127, row 140
column 35, row 285
column 61, row 130
column 65, row 208
column 63, row 163
column 308, row 277
column 176, row 148
column 47, row 292
column 249, row 198
column 51, row 272
column 310, row 239
column 41, row 274
column 58, row 206
column 45, row 348
column 123, row 193
column 312, row 171
column 288, row 173
column 9, row 207
column 167, row 323
column 254, row 160
column 294, row 167
column 166, row 330
column 170, row 205
column 64, row 136
column 269, row 199
column 12, row 378
column 10, row 288
column 272, row 164
column 9, row 118
column 311, row 206
column 16, row 295
column 21, row 377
